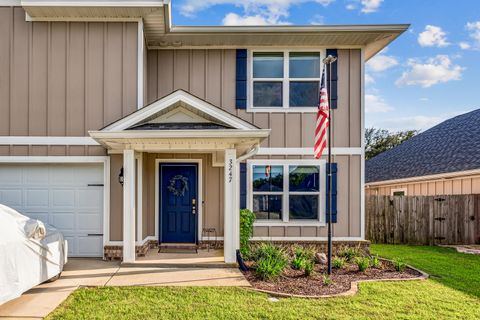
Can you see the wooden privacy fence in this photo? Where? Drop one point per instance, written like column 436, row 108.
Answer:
column 428, row 220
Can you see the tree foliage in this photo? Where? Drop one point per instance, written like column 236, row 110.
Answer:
column 380, row 140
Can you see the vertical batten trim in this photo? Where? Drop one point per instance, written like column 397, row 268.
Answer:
column 122, row 74
column 85, row 75
column 139, row 196
column 140, row 57
column 362, row 135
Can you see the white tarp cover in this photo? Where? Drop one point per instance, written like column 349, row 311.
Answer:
column 30, row 253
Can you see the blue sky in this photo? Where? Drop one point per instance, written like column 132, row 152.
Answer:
column 429, row 74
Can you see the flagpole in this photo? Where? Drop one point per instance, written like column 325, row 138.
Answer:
column 328, row 61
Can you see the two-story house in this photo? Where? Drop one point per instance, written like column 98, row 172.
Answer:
column 120, row 129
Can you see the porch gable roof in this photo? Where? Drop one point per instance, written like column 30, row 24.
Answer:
column 181, row 122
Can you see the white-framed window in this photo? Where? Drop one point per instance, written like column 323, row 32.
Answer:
column 284, row 192
column 398, row 192
column 284, row 80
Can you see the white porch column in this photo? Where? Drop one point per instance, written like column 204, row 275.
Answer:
column 139, row 158
column 128, row 206
column 231, row 224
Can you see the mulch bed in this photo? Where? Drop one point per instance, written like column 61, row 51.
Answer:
column 295, row 282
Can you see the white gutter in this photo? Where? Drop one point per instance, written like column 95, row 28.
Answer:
column 440, row 176
column 387, row 28
column 158, row 134
column 249, row 154
column 104, row 3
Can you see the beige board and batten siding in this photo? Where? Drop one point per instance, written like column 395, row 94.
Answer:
column 63, row 79
column 212, row 193
column 451, row 186
column 210, row 75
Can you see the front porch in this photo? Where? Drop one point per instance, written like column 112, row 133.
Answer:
column 178, row 165
column 203, row 258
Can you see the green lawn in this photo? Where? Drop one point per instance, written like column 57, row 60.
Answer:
column 452, row 294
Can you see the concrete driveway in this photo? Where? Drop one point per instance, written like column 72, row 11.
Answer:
column 38, row 302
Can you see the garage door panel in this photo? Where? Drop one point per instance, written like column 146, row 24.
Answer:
column 35, row 175
column 63, row 176
column 59, row 194
column 90, row 245
column 90, row 223
column 63, row 197
column 72, row 245
column 13, row 176
column 90, row 174
column 11, row 197
column 37, row 197
column 90, row 198
column 64, row 222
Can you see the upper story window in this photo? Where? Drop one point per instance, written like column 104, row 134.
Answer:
column 284, row 79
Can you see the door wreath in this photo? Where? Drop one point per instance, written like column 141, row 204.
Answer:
column 178, row 190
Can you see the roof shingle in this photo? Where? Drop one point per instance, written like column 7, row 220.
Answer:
column 453, row 145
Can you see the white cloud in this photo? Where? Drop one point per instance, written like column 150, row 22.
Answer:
column 369, row 79
column 425, row 74
column 474, row 28
column 351, row 6
column 464, row 45
column 317, row 20
column 258, row 11
column 411, row 123
column 375, row 103
column 233, row 19
column 433, row 36
column 417, row 122
column 424, row 99
column 369, row 6
column 381, row 63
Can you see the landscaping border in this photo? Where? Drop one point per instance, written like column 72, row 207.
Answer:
column 353, row 286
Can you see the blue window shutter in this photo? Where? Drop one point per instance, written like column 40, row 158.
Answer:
column 334, row 193
column 241, row 79
column 243, row 185
column 333, row 77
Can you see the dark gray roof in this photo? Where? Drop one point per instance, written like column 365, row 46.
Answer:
column 179, row 126
column 453, row 145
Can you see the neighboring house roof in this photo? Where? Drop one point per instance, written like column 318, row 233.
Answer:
column 451, row 146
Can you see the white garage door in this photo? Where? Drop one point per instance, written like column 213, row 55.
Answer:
column 66, row 196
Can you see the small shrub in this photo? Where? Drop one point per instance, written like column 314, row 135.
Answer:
column 298, row 263
column 348, row 253
column 399, row 264
column 363, row 263
column 247, row 218
column 304, row 259
column 309, row 267
column 375, row 262
column 271, row 261
column 338, row 263
column 307, row 253
column 326, row 280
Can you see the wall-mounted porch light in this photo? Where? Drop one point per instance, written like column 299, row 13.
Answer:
column 120, row 176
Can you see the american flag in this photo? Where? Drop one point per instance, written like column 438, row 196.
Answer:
column 322, row 120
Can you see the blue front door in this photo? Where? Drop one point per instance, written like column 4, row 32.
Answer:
column 178, row 202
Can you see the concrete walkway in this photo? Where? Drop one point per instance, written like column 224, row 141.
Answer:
column 38, row 302
column 469, row 249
